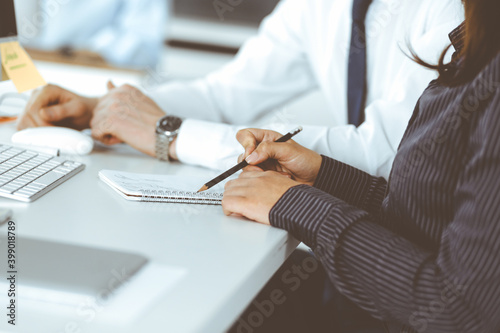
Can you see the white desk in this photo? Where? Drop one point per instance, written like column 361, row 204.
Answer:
column 227, row 259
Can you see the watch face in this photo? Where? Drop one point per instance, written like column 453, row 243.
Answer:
column 169, row 124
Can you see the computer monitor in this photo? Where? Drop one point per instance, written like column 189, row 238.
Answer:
column 8, row 26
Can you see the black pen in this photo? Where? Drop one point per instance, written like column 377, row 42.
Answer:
column 243, row 164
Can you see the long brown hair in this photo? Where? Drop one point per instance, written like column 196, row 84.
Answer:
column 481, row 43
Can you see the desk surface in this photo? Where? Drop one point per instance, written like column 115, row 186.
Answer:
column 227, row 260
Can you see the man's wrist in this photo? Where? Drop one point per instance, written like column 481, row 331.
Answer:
column 172, row 151
column 167, row 129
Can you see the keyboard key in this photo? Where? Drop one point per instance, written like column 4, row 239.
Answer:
column 8, row 188
column 34, row 187
column 48, row 178
column 62, row 170
column 22, row 194
column 29, row 190
column 58, row 160
column 4, row 180
column 12, row 186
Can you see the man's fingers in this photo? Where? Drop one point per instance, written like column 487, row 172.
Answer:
column 50, row 106
column 41, row 98
column 105, row 137
column 60, row 112
column 54, row 113
column 24, row 121
column 29, row 121
column 110, row 140
column 103, row 129
column 99, row 134
column 111, row 85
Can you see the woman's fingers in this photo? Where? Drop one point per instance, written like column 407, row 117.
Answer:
column 250, row 138
column 279, row 151
column 231, row 204
column 253, row 168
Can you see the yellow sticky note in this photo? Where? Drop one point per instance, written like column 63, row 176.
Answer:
column 4, row 77
column 19, row 67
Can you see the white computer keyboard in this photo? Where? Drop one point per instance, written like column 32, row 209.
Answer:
column 26, row 175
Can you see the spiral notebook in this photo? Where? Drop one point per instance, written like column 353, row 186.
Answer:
column 161, row 188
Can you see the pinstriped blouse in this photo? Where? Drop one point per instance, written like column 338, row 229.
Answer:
column 422, row 251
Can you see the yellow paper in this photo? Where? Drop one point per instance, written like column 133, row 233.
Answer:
column 19, row 67
column 4, row 77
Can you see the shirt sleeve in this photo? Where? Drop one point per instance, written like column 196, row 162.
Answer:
column 351, row 185
column 270, row 69
column 451, row 289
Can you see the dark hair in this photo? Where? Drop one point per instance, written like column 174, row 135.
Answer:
column 481, row 43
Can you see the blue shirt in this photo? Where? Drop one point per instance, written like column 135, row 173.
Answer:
column 126, row 33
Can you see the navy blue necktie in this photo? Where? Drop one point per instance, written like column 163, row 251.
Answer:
column 356, row 82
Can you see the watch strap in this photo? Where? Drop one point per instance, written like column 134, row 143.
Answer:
column 162, row 147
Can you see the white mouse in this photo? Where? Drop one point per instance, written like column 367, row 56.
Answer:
column 68, row 141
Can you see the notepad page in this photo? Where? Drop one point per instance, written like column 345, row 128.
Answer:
column 171, row 188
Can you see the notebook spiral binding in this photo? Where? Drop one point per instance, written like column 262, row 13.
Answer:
column 181, row 197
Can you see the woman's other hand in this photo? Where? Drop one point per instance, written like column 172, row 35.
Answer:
column 254, row 193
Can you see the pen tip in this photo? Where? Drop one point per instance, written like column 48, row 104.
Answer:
column 203, row 188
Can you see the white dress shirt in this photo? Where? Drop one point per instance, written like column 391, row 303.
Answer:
column 302, row 46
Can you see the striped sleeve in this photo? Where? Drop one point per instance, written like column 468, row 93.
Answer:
column 453, row 288
column 351, row 185
column 313, row 216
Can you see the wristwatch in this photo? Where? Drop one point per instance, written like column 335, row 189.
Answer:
column 167, row 129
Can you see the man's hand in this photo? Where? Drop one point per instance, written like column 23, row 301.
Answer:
column 254, row 193
column 125, row 114
column 285, row 157
column 55, row 106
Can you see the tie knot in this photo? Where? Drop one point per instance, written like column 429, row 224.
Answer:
column 359, row 10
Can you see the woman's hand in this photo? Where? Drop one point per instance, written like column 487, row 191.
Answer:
column 254, row 193
column 288, row 157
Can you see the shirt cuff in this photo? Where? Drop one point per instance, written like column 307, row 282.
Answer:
column 208, row 144
column 314, row 217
